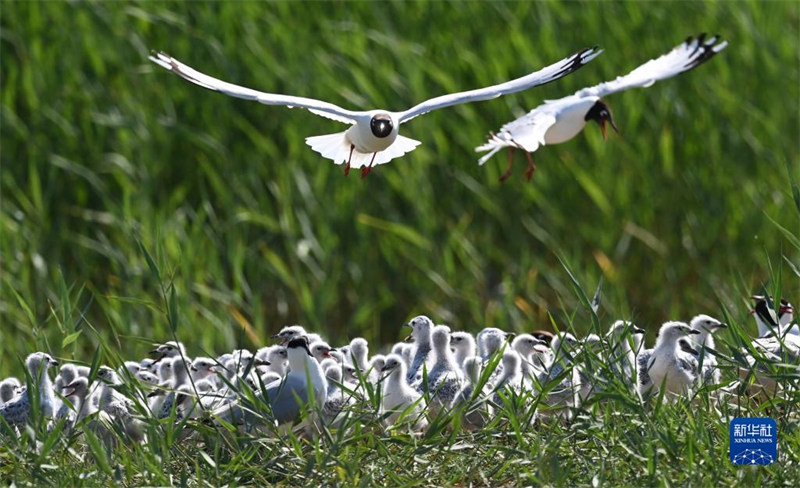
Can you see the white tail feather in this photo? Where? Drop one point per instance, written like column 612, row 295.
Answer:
column 492, row 148
column 336, row 147
column 494, row 144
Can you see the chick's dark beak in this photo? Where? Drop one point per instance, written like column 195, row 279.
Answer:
column 690, row 349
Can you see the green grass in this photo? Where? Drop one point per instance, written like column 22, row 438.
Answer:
column 614, row 439
column 106, row 160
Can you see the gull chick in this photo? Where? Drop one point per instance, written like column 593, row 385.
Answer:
column 446, row 378
column 421, row 335
column 706, row 326
column 17, row 411
column 400, row 401
column 669, row 366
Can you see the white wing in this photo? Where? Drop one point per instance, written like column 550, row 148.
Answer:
column 684, row 57
column 317, row 107
column 527, row 133
column 544, row 75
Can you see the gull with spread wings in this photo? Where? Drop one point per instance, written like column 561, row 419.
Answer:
column 557, row 121
column 374, row 136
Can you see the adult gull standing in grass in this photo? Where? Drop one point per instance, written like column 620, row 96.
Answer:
column 287, row 397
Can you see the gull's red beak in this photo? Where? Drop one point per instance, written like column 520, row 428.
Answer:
column 613, row 125
column 603, row 127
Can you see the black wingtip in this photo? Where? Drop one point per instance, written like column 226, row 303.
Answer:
column 707, row 50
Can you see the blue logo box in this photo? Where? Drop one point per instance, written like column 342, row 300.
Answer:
column 754, row 441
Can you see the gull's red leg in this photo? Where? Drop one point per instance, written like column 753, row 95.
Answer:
column 531, row 167
column 366, row 169
column 507, row 174
column 347, row 166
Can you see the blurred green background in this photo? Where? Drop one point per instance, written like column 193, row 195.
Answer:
column 104, row 153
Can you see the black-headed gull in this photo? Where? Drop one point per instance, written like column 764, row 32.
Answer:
column 557, row 121
column 288, row 396
column 765, row 315
column 374, row 138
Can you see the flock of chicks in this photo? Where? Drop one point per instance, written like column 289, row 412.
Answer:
column 435, row 371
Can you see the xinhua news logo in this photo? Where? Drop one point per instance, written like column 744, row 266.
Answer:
column 754, row 441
